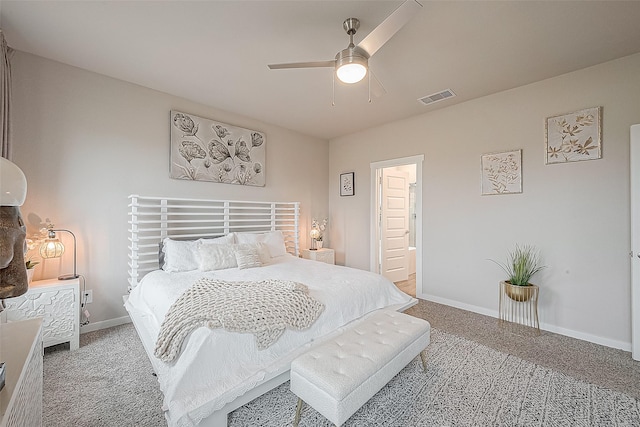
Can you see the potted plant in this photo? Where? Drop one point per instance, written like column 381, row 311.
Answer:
column 30, row 266
column 522, row 264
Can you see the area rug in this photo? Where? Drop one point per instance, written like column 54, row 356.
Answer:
column 466, row 384
column 108, row 382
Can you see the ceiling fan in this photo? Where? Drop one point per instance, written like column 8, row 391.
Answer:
column 352, row 64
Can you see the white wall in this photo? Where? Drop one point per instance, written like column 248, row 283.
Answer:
column 86, row 141
column 577, row 214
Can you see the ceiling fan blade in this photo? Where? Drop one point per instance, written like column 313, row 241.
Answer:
column 316, row 64
column 383, row 32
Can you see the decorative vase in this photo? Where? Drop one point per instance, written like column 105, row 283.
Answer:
column 519, row 293
column 29, row 275
column 318, row 244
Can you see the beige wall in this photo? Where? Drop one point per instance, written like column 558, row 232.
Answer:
column 86, row 141
column 577, row 214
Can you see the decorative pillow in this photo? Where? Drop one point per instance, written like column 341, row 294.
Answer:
column 216, row 257
column 182, row 255
column 274, row 241
column 261, row 248
column 179, row 255
column 248, row 258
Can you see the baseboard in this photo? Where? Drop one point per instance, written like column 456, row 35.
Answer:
column 105, row 324
column 460, row 305
column 621, row 345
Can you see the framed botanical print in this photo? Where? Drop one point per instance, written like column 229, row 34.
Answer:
column 347, row 184
column 574, row 137
column 502, row 173
column 206, row 150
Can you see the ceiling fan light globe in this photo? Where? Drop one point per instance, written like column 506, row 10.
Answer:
column 351, row 73
column 351, row 65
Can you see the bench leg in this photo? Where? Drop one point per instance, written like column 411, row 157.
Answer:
column 296, row 420
column 423, row 356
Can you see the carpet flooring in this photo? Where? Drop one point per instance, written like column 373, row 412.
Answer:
column 477, row 375
column 107, row 382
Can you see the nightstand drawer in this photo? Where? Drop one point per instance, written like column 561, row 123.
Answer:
column 323, row 255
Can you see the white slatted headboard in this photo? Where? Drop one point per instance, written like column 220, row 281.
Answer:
column 151, row 219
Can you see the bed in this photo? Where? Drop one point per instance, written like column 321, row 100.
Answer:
column 218, row 371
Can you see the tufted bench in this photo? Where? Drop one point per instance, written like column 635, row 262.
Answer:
column 338, row 376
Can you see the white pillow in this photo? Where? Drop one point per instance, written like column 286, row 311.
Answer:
column 179, row 255
column 223, row 240
column 212, row 256
column 182, row 255
column 274, row 241
column 216, row 257
column 248, row 258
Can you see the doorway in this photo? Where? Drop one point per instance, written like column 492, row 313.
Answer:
column 396, row 222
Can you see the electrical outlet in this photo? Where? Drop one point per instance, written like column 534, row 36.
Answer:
column 87, row 297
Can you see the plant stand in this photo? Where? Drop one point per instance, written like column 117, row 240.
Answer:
column 519, row 305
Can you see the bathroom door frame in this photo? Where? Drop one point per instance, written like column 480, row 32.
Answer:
column 376, row 173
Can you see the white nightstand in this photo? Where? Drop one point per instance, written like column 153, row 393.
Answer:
column 57, row 302
column 323, row 255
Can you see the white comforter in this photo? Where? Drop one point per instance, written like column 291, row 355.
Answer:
column 217, row 366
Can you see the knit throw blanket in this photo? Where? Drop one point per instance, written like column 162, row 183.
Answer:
column 264, row 308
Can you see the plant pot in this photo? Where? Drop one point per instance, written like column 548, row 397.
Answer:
column 519, row 293
column 29, row 275
column 318, row 244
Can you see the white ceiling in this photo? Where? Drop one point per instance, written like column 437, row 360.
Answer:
column 216, row 52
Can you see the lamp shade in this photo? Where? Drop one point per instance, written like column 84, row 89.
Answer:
column 51, row 248
column 315, row 233
column 13, row 184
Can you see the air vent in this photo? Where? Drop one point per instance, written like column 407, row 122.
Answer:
column 430, row 99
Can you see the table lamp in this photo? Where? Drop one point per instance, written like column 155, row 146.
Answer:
column 52, row 247
column 315, row 233
column 13, row 271
column 13, row 191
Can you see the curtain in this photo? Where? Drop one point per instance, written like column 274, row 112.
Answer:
column 5, row 98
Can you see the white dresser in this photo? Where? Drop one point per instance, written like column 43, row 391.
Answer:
column 57, row 302
column 323, row 255
column 21, row 351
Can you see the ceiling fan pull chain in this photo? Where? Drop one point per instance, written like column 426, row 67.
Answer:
column 369, row 87
column 333, row 89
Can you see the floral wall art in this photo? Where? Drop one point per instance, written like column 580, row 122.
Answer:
column 502, row 173
column 347, row 184
column 206, row 150
column 575, row 136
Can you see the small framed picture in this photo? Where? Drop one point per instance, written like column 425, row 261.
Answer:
column 502, row 172
column 347, row 184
